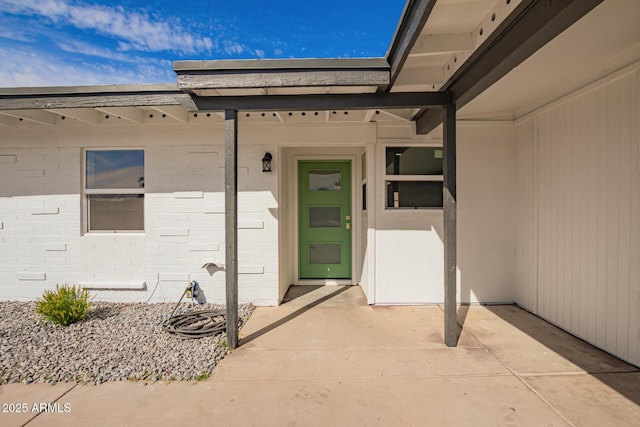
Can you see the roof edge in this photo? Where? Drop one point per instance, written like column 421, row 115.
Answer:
column 411, row 24
column 87, row 90
column 280, row 64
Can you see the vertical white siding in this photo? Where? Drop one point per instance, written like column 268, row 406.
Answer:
column 579, row 205
column 526, row 250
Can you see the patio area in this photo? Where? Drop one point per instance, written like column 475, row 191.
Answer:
column 326, row 357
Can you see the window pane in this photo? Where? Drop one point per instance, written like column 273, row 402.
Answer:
column 364, row 197
column 414, row 194
column 115, row 169
column 414, row 161
column 116, row 212
column 325, row 180
column 324, row 253
column 322, row 216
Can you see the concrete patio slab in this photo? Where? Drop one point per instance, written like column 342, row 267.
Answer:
column 345, row 323
column 360, row 363
column 527, row 344
column 15, row 398
column 479, row 401
column 126, row 403
column 354, row 327
column 317, row 360
column 601, row 399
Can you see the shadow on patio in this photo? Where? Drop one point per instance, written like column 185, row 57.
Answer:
column 323, row 342
column 533, row 347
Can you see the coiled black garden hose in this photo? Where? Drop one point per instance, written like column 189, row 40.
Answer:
column 195, row 324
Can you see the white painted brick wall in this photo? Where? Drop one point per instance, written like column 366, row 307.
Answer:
column 41, row 239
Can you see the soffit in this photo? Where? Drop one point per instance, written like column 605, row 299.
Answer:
column 605, row 40
column 451, row 32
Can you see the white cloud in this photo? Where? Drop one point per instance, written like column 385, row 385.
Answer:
column 232, row 48
column 139, row 31
column 41, row 69
column 87, row 49
column 15, row 36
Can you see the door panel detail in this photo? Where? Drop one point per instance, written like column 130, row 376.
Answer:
column 324, row 253
column 324, row 216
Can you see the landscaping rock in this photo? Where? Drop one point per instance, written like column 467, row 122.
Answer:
column 116, row 341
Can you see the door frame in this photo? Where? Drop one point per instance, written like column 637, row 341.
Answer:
column 355, row 220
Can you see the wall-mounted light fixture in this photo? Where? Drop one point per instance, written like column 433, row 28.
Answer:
column 266, row 162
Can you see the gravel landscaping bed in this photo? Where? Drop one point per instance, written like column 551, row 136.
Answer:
column 116, row 341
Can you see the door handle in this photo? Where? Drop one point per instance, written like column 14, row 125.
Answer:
column 348, row 226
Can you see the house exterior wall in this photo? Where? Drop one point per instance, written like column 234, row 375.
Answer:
column 578, row 262
column 398, row 255
column 42, row 243
column 409, row 256
column 41, row 239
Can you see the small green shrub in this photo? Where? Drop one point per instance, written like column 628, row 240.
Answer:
column 65, row 306
column 202, row 376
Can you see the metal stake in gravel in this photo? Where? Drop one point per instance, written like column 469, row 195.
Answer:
column 196, row 324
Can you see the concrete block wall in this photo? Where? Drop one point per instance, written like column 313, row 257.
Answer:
column 41, row 239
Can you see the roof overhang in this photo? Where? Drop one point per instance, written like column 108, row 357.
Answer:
column 527, row 28
column 36, row 98
column 405, row 100
column 443, row 52
column 413, row 20
column 261, row 84
column 267, row 76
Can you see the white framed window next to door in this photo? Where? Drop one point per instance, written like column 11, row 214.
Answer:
column 413, row 177
column 113, row 193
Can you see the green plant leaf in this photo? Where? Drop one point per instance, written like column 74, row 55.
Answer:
column 67, row 305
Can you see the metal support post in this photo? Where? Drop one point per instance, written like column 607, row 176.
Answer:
column 231, row 222
column 450, row 220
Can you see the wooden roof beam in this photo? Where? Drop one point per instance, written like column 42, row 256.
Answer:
column 323, row 102
column 175, row 112
column 37, row 101
column 423, row 77
column 84, row 115
column 7, row 120
column 131, row 114
column 39, row 117
column 436, row 44
column 275, row 73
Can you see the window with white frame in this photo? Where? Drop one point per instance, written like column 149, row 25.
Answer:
column 413, row 177
column 114, row 190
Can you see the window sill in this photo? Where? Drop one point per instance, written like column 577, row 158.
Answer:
column 114, row 233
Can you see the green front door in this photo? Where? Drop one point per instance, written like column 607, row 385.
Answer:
column 324, row 235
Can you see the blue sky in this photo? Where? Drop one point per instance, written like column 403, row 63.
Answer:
column 87, row 42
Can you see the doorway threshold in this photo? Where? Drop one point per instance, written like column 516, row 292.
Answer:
column 324, row 282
